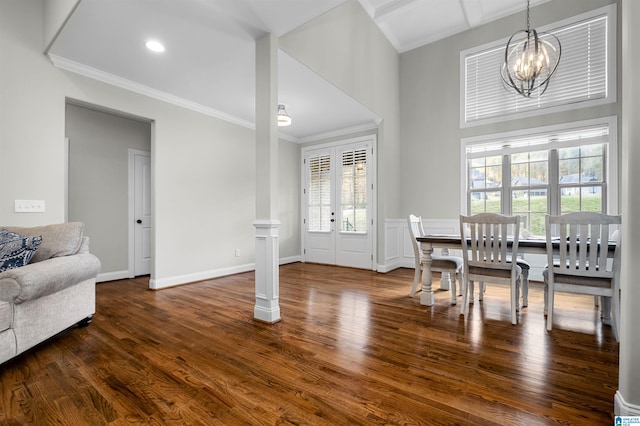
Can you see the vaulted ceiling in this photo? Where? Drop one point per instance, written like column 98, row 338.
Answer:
column 208, row 62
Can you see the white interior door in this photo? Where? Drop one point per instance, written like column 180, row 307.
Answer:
column 142, row 212
column 338, row 205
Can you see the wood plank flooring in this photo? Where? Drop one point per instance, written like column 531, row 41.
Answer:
column 352, row 348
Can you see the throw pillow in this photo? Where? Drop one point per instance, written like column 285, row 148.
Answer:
column 60, row 239
column 16, row 250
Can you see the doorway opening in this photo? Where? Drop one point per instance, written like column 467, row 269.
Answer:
column 98, row 179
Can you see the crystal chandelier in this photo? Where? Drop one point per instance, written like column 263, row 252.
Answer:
column 530, row 59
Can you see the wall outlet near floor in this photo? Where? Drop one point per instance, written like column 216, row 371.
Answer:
column 237, row 252
column 29, row 206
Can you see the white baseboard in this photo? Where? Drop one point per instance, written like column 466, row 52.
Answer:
column 388, row 267
column 157, row 284
column 112, row 276
column 291, row 259
column 622, row 408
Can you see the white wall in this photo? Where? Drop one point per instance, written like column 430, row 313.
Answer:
column 203, row 168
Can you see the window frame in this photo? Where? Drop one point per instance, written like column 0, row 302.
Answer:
column 611, row 58
column 610, row 172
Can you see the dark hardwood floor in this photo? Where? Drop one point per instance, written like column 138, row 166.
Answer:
column 352, row 348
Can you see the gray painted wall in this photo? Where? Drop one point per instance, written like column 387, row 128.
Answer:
column 98, row 182
column 203, row 168
column 346, row 48
column 99, row 145
column 430, row 109
column 289, row 198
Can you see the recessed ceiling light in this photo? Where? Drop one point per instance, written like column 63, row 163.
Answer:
column 154, row 46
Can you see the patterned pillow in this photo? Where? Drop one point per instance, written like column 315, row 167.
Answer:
column 16, row 250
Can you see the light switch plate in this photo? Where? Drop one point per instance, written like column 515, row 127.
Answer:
column 29, row 206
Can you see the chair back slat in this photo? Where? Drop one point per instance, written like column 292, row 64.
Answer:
column 490, row 239
column 582, row 244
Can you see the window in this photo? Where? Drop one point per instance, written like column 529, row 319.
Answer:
column 555, row 169
column 320, row 193
column 354, row 190
column 585, row 75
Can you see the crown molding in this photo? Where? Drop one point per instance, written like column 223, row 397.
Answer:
column 105, row 77
column 341, row 132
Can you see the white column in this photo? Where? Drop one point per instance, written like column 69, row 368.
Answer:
column 627, row 399
column 267, row 307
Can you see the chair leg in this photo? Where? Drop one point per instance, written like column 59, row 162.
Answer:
column 606, row 310
column 453, row 288
column 549, row 299
column 465, row 296
column 481, row 290
column 615, row 316
column 416, row 279
column 525, row 288
column 514, row 300
column 517, row 291
column 470, row 290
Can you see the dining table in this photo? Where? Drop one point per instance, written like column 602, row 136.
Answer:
column 429, row 242
column 525, row 245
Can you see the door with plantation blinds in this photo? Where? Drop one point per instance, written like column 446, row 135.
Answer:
column 338, row 204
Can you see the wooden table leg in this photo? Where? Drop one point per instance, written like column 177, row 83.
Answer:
column 426, row 296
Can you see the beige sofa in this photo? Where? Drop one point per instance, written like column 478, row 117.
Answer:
column 54, row 291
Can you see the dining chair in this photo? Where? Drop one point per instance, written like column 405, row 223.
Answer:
column 439, row 263
column 526, row 267
column 583, row 257
column 489, row 243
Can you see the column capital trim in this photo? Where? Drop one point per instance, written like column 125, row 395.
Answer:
column 267, row 223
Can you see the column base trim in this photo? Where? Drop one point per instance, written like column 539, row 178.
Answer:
column 267, row 316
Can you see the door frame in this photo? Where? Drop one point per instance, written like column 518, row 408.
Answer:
column 374, row 198
column 131, row 210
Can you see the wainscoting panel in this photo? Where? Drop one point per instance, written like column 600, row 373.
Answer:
column 398, row 250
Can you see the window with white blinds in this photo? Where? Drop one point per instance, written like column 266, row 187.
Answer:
column 354, row 191
column 585, row 75
column 319, row 193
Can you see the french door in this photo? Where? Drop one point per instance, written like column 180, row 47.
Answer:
column 339, row 204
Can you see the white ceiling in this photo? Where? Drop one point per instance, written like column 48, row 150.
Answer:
column 208, row 64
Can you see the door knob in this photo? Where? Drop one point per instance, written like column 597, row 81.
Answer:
column 139, row 221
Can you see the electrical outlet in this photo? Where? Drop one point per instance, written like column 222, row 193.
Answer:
column 29, row 206
column 237, row 252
